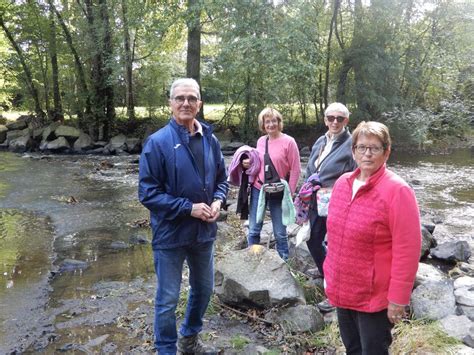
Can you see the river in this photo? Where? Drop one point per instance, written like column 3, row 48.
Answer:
column 54, row 208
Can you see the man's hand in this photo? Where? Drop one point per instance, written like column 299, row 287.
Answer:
column 201, row 211
column 215, row 210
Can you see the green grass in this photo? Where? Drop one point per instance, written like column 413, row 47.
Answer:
column 421, row 336
column 239, row 342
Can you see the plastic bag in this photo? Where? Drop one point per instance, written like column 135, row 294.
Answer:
column 303, row 234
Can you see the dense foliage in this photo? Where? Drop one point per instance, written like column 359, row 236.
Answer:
column 404, row 62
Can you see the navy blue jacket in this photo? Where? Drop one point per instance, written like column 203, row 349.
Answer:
column 169, row 184
column 337, row 162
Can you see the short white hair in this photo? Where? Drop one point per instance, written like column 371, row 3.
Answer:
column 337, row 107
column 190, row 82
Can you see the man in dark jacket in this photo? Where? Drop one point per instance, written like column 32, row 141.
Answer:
column 183, row 182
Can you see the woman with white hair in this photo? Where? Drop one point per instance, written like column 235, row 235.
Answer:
column 331, row 156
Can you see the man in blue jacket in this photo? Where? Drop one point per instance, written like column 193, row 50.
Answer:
column 183, row 182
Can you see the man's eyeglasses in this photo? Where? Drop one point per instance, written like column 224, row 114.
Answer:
column 339, row 119
column 361, row 149
column 192, row 100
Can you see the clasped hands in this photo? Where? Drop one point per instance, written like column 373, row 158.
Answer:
column 205, row 212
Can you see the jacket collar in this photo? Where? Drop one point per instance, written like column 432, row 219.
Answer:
column 372, row 180
column 183, row 132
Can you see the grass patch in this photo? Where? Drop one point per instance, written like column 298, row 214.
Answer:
column 421, row 336
column 328, row 338
column 239, row 342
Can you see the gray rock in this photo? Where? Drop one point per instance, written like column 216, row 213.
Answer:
column 300, row 256
column 118, row 142
column 463, row 281
column 452, row 251
column 433, row 300
column 67, row 131
column 469, row 339
column 72, row 264
column 21, row 144
column 12, row 135
column 301, row 318
column 37, row 132
column 467, row 311
column 134, row 145
column 456, row 326
column 465, row 295
column 256, row 276
column 118, row 245
column 59, row 144
column 427, row 242
column 20, row 123
column 428, row 272
column 84, row 142
column 48, row 132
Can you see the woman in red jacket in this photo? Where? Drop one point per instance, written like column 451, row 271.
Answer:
column 374, row 242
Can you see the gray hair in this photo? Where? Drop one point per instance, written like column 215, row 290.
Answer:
column 185, row 82
column 337, row 107
column 375, row 129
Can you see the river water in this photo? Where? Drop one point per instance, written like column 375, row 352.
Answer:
column 54, row 208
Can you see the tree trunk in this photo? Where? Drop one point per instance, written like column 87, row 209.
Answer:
column 58, row 110
column 129, row 97
column 193, row 58
column 108, row 60
column 29, row 77
column 328, row 58
column 86, row 122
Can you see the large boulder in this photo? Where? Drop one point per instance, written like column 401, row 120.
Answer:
column 457, row 326
column 20, row 123
column 118, row 142
column 301, row 318
column 14, row 134
column 21, row 144
column 67, row 131
column 48, row 132
column 84, row 142
column 256, row 276
column 427, row 273
column 452, row 251
column 433, row 300
column 58, row 145
column 464, row 291
column 134, row 145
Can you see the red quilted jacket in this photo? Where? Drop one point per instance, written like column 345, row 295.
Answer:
column 374, row 242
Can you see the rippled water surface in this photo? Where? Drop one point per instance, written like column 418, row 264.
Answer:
column 54, row 208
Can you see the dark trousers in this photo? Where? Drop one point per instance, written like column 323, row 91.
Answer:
column 315, row 242
column 365, row 333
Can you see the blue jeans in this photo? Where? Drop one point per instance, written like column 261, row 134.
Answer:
column 279, row 229
column 169, row 268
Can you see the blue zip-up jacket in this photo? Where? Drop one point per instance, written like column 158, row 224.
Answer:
column 169, row 184
column 337, row 162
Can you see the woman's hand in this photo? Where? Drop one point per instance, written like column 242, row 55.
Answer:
column 395, row 313
column 246, row 163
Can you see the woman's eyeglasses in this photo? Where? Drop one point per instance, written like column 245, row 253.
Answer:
column 192, row 100
column 361, row 149
column 339, row 119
